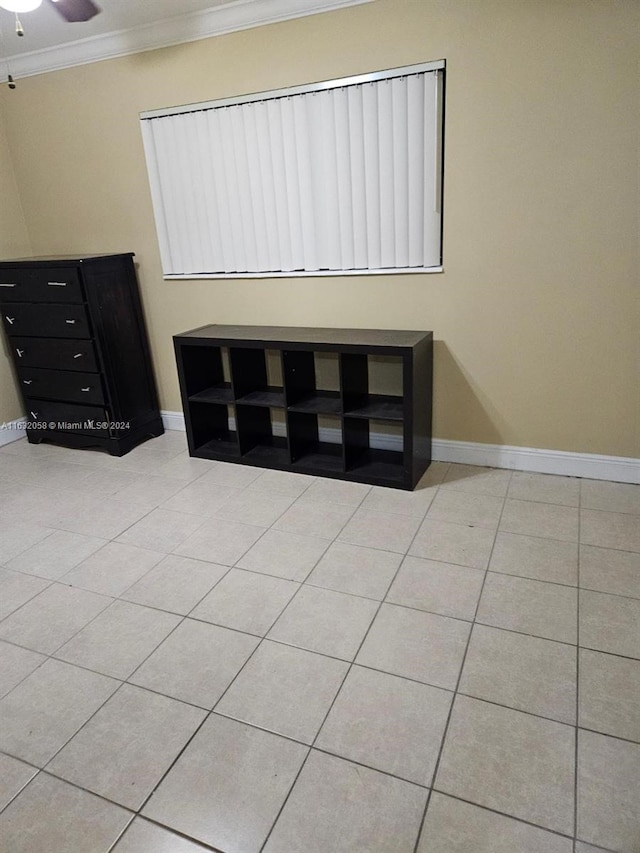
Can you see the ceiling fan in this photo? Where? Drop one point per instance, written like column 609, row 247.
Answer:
column 71, row 10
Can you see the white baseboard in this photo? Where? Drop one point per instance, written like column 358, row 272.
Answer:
column 589, row 465
column 173, row 420
column 12, row 431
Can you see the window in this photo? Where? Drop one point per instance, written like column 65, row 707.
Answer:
column 341, row 177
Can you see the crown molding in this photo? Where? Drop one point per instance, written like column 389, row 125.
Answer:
column 231, row 17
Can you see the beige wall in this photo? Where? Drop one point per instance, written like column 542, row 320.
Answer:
column 536, row 315
column 14, row 243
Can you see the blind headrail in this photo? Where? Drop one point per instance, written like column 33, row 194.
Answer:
column 404, row 71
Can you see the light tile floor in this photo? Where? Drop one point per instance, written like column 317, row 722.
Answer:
column 200, row 656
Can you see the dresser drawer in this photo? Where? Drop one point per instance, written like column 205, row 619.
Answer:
column 65, row 417
column 46, row 321
column 61, row 385
column 55, row 354
column 54, row 284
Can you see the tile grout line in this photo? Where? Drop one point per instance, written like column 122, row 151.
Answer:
column 184, row 616
column 50, row 656
column 221, row 697
column 577, row 706
column 113, row 599
column 137, row 687
column 133, row 814
column 455, row 692
column 201, row 845
column 21, row 789
column 342, row 683
column 119, row 597
column 309, row 747
column 368, row 667
column 492, row 810
column 300, row 743
column 121, row 834
column 117, row 689
column 384, row 550
column 350, row 667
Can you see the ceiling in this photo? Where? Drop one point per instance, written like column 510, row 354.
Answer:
column 129, row 26
column 45, row 28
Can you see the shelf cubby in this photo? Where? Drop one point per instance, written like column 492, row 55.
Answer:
column 307, row 448
column 204, row 376
column 249, row 378
column 209, row 432
column 357, row 399
column 256, row 436
column 363, row 462
column 301, row 388
column 347, row 403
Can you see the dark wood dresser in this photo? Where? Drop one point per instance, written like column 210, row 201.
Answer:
column 77, row 339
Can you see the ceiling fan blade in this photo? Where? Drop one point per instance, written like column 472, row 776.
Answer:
column 76, row 10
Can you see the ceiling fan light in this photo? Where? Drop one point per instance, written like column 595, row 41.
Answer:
column 20, row 5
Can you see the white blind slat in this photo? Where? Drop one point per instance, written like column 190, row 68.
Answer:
column 152, row 156
column 198, row 220
column 233, row 177
column 293, row 184
column 328, row 197
column 431, row 255
column 221, row 190
column 246, row 206
column 176, row 210
column 256, row 187
column 309, row 228
column 358, row 185
column 267, row 178
column 386, row 174
column 415, row 168
column 400, row 125
column 209, row 222
column 371, row 174
column 285, row 249
column 190, row 194
column 341, row 140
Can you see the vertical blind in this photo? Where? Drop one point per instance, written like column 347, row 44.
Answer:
column 338, row 177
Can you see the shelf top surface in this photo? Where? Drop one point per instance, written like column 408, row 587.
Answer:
column 309, row 335
column 62, row 260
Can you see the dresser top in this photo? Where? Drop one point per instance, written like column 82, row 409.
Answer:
column 291, row 335
column 61, row 260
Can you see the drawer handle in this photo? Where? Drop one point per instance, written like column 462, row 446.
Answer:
column 8, row 284
column 57, row 283
column 20, row 352
column 86, row 389
column 78, row 355
column 10, row 320
column 70, row 322
column 27, row 381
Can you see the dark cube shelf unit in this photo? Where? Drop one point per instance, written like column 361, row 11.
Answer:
column 233, row 414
